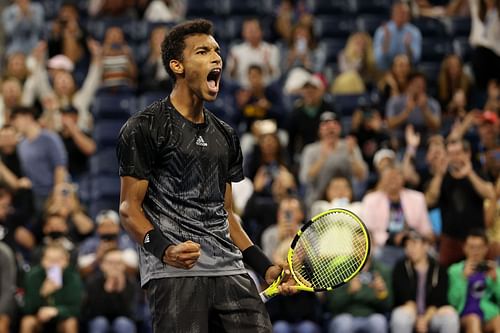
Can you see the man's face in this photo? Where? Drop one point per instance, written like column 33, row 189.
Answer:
column 11, row 92
column 416, row 249
column 475, row 249
column 252, row 32
column 255, row 78
column 108, row 227
column 329, row 129
column 202, row 66
column 416, row 86
column 457, row 156
column 339, row 188
column 54, row 258
column 5, row 206
column 400, row 14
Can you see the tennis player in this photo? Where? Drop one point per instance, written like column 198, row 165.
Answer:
column 177, row 162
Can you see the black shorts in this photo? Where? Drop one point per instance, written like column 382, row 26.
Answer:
column 207, row 305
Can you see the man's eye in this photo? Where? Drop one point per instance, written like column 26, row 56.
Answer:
column 201, row 52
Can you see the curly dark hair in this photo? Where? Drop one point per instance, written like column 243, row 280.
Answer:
column 173, row 45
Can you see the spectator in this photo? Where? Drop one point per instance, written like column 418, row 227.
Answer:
column 361, row 304
column 65, row 91
column 288, row 14
column 10, row 98
column 330, row 156
column 415, row 107
column 68, row 37
column 22, row 22
column 394, row 81
column 485, row 40
column 390, row 212
column 493, row 97
column 475, row 286
column 305, row 118
column 53, row 293
column 118, row 64
column 152, row 75
column 459, row 192
column 492, row 212
column 398, row 36
column 42, row 155
column 489, row 144
column 79, row 144
column 452, row 79
column 258, row 101
column 165, row 11
column 111, row 296
column 420, row 287
column 108, row 236
column 253, row 51
column 358, row 56
column 8, row 152
column 7, row 286
column 338, row 194
column 64, row 202
column 289, row 219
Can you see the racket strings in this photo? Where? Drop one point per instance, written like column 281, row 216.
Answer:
column 330, row 251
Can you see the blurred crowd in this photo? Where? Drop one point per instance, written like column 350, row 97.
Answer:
column 389, row 109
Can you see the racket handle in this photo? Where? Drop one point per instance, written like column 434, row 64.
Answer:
column 272, row 290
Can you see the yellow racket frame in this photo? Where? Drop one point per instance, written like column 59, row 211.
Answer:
column 273, row 289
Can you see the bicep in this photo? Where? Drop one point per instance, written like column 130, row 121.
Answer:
column 133, row 190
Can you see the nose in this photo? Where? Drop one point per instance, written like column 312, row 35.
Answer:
column 216, row 59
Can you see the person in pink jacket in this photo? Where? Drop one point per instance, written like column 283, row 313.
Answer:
column 390, row 212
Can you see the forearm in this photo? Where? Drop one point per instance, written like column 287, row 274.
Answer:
column 134, row 221
column 83, row 223
column 433, row 193
column 60, row 175
column 483, row 188
column 315, row 167
column 8, row 176
column 84, row 143
column 431, row 120
column 359, row 169
column 238, row 235
column 399, row 119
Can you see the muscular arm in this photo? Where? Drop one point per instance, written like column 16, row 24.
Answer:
column 238, row 235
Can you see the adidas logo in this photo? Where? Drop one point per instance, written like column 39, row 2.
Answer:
column 147, row 239
column 201, row 142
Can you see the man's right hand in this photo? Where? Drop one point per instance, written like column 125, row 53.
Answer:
column 183, row 255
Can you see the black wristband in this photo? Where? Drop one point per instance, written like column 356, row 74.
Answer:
column 257, row 260
column 155, row 243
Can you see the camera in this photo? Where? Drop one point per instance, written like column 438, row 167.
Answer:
column 482, row 267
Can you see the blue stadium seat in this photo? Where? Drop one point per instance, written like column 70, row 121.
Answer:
column 332, row 48
column 196, row 8
column 431, row 72
column 430, row 27
column 104, row 204
column 103, row 162
column 382, row 7
column 105, row 186
column 346, row 104
column 434, row 50
column 369, row 23
column 148, row 98
column 329, row 7
column 234, row 26
column 113, row 106
column 244, row 8
column 106, row 132
column 462, row 47
column 329, row 26
column 460, row 26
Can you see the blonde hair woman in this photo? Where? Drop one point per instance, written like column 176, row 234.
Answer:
column 452, row 78
column 358, row 56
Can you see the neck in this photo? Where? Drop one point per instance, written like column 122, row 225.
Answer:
column 393, row 196
column 187, row 103
column 32, row 132
column 422, row 264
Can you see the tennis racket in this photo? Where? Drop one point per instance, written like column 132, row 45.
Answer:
column 328, row 251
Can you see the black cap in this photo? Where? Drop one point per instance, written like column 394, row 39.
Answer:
column 415, row 235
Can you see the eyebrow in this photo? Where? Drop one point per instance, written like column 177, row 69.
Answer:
column 207, row 48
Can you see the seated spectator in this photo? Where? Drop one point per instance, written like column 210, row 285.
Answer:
column 492, row 222
column 361, row 304
column 415, row 107
column 493, row 96
column 108, row 235
column 7, row 287
column 53, row 294
column 111, row 296
column 475, row 286
column 305, row 118
column 459, row 191
column 41, row 153
column 258, row 101
column 165, row 11
column 398, row 36
column 79, row 144
column 420, row 287
column 452, row 78
column 288, row 14
column 289, row 219
column 64, row 202
column 390, row 212
column 358, row 56
column 330, row 156
column 118, row 64
column 253, row 51
column 22, row 23
column 302, row 51
column 55, row 230
column 152, row 74
column 9, row 99
column 395, row 80
column 338, row 194
column 65, row 92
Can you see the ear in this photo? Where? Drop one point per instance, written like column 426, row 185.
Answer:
column 176, row 67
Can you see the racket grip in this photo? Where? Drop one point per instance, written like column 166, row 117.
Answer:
column 272, row 290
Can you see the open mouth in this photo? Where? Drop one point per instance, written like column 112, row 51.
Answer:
column 213, row 79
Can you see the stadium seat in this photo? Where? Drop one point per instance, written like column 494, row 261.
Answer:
column 346, row 104
column 113, row 106
column 103, row 204
column 382, row 7
column 329, row 26
column 431, row 72
column 244, row 8
column 369, row 23
column 329, row 7
column 462, row 47
column 434, row 50
column 106, row 132
column 196, row 8
column 459, row 26
column 148, row 98
column 332, row 47
column 430, row 27
column 105, row 186
column 104, row 162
